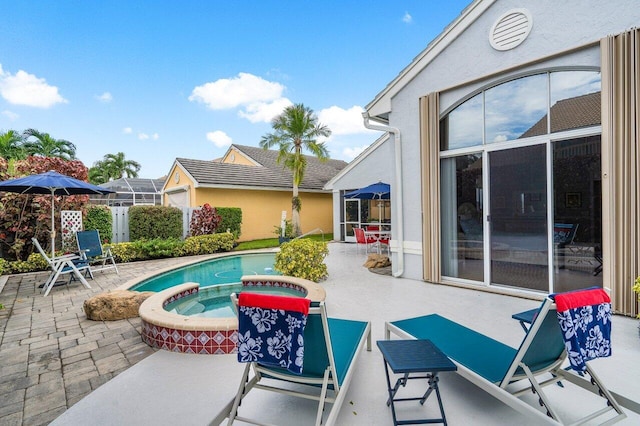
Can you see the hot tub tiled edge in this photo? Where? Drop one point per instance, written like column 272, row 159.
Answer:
column 178, row 333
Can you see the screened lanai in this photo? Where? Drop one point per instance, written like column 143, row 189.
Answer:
column 131, row 192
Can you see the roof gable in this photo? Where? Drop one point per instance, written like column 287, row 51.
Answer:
column 265, row 173
column 380, row 106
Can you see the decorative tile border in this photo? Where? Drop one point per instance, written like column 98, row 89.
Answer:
column 210, row 342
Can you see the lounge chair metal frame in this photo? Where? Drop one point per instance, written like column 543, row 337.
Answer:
column 90, row 246
column 333, row 386
column 523, row 363
column 63, row 265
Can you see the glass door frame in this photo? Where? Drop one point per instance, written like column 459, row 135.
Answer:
column 350, row 238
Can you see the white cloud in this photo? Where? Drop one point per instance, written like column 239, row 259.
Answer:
column 127, row 130
column 12, row 116
column 407, row 18
column 258, row 100
column 352, row 152
column 143, row 136
column 26, row 89
column 219, row 138
column 106, row 97
column 343, row 121
column 245, row 89
column 264, row 111
column 155, row 136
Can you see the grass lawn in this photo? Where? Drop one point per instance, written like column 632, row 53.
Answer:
column 273, row 242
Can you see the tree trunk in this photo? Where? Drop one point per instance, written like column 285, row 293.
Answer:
column 295, row 214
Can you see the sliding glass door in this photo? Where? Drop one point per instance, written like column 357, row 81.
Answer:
column 518, row 217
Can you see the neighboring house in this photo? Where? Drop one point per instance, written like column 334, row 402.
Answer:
column 250, row 178
column 514, row 140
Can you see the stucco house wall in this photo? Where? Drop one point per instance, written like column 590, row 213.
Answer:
column 564, row 34
column 262, row 210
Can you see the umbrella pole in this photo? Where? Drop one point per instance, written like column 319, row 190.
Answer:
column 53, row 229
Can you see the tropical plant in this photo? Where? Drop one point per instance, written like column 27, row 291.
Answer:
column 27, row 216
column 98, row 173
column 11, row 145
column 112, row 167
column 204, row 221
column 44, row 145
column 295, row 130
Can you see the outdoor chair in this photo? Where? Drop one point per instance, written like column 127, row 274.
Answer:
column 498, row 368
column 319, row 362
column 90, row 246
column 71, row 264
column 362, row 239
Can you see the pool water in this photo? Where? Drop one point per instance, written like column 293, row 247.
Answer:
column 214, row 302
column 223, row 270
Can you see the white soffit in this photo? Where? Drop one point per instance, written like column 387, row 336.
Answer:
column 511, row 29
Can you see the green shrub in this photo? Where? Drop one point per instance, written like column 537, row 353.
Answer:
column 160, row 247
column 4, row 266
column 34, row 263
column 99, row 217
column 151, row 222
column 231, row 220
column 125, row 252
column 303, row 258
column 38, row 262
column 147, row 249
column 207, row 244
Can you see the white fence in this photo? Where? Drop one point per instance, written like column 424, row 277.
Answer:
column 120, row 216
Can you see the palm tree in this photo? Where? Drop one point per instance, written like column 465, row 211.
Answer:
column 11, row 145
column 47, row 146
column 98, row 173
column 112, row 167
column 297, row 128
column 118, row 166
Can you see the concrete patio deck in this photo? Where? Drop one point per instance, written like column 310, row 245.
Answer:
column 58, row 367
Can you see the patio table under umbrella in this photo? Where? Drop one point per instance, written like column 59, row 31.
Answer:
column 52, row 183
column 375, row 191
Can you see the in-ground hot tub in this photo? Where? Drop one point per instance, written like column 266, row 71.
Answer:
column 177, row 332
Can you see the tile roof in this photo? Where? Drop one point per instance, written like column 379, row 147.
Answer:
column 571, row 113
column 268, row 174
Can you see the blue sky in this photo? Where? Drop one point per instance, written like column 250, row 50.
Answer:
column 164, row 79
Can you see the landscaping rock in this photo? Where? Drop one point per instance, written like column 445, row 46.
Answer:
column 377, row 261
column 115, row 305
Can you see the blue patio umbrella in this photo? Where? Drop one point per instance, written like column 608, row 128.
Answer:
column 52, row 183
column 375, row 191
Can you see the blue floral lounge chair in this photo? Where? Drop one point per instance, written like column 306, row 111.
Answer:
column 71, row 264
column 90, row 245
column 496, row 367
column 285, row 341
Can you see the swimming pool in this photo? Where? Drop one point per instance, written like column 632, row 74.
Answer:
column 217, row 271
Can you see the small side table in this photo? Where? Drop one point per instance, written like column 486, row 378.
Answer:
column 414, row 356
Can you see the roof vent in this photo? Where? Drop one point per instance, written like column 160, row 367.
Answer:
column 511, row 29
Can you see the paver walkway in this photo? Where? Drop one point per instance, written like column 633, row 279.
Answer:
column 51, row 355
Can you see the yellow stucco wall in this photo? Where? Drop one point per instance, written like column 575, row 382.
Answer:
column 181, row 180
column 261, row 209
column 233, row 156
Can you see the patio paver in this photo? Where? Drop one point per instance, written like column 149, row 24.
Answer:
column 57, row 366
